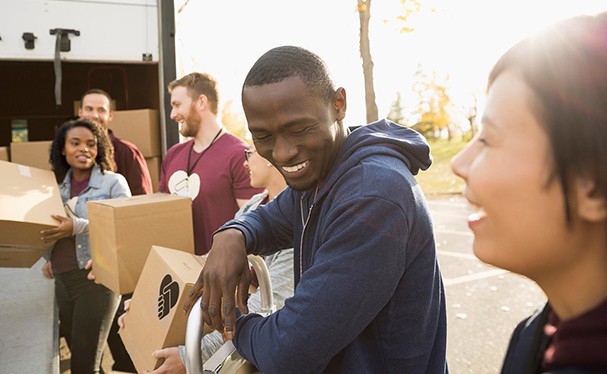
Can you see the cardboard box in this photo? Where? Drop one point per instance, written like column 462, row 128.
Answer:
column 155, row 319
column 35, row 154
column 4, row 156
column 154, row 168
column 140, row 127
column 28, row 197
column 123, row 230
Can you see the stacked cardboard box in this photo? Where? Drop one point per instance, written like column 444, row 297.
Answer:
column 154, row 168
column 35, row 154
column 4, row 156
column 140, row 127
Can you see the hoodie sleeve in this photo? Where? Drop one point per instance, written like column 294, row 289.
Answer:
column 354, row 274
column 268, row 228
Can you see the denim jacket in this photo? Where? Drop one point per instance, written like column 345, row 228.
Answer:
column 101, row 187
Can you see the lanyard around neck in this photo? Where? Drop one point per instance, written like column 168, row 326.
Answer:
column 189, row 170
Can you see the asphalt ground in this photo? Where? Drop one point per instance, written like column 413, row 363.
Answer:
column 27, row 328
column 484, row 303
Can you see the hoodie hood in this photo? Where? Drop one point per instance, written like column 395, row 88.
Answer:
column 381, row 138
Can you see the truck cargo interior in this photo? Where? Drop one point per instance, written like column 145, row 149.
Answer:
column 29, row 109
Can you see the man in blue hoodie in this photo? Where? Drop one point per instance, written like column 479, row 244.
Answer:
column 369, row 296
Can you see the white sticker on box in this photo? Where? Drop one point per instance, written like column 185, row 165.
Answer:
column 25, row 171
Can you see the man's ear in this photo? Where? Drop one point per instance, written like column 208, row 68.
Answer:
column 340, row 103
column 591, row 206
column 202, row 102
column 111, row 116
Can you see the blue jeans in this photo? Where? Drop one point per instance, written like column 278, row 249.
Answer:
column 86, row 310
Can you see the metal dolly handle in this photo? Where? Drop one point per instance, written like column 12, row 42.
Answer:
column 193, row 335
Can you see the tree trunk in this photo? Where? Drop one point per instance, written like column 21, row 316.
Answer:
column 364, row 13
column 472, row 116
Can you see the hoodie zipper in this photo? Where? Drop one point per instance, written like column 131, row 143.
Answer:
column 303, row 231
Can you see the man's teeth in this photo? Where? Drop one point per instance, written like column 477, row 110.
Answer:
column 294, row 168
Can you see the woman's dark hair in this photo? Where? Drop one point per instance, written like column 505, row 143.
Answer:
column 566, row 69
column 105, row 150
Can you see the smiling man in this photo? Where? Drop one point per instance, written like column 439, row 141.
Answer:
column 208, row 168
column 369, row 296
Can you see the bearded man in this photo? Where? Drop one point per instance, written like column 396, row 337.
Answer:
column 208, row 168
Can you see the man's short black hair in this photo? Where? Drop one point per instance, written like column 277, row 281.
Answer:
column 285, row 62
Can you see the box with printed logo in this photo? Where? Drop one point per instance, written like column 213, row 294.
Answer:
column 28, row 197
column 155, row 318
column 123, row 230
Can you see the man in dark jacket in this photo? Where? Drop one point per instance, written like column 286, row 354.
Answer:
column 369, row 295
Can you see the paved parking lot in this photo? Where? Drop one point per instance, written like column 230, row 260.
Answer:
column 484, row 303
column 27, row 329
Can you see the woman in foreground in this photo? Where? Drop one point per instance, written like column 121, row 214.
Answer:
column 537, row 176
column 82, row 160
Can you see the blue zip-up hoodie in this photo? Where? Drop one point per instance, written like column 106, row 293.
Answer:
column 369, row 295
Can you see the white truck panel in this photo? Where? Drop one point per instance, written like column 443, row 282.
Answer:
column 112, row 31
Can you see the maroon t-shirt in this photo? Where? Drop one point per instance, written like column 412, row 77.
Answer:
column 216, row 180
column 131, row 164
column 63, row 257
column 578, row 342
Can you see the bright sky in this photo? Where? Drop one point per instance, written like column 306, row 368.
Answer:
column 462, row 38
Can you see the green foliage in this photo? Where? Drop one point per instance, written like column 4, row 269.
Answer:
column 397, row 111
column 434, row 104
column 234, row 122
column 426, row 128
column 439, row 179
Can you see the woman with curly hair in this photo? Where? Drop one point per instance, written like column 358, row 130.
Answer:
column 82, row 159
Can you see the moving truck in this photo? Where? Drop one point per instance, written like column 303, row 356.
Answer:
column 52, row 51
